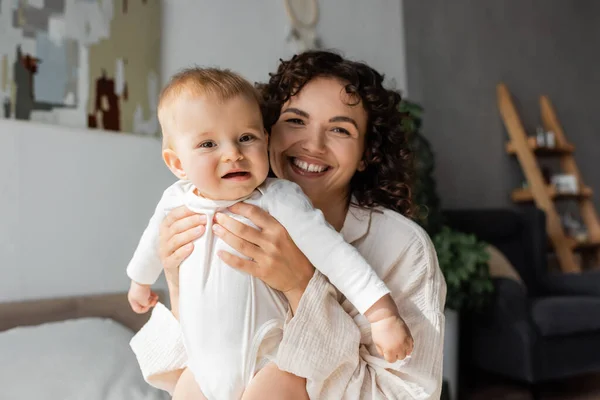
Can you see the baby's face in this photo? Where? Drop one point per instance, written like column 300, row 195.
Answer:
column 222, row 145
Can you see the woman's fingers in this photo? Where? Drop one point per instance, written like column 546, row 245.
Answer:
column 246, row 248
column 181, row 251
column 184, row 232
column 257, row 215
column 242, row 264
column 176, row 214
column 239, row 229
column 186, row 223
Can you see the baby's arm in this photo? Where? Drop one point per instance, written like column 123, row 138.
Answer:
column 145, row 266
column 345, row 267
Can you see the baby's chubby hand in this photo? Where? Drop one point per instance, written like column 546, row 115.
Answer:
column 141, row 297
column 390, row 334
column 392, row 338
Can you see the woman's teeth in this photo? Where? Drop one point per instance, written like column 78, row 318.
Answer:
column 303, row 165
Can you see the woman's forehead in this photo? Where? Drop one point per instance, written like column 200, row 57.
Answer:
column 326, row 95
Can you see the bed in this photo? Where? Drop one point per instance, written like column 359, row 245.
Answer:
column 71, row 349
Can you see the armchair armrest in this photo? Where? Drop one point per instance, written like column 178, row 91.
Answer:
column 510, row 304
column 503, row 337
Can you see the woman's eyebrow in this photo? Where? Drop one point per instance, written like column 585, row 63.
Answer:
column 342, row 118
column 296, row 111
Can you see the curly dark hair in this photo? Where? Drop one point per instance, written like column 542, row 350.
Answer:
column 387, row 178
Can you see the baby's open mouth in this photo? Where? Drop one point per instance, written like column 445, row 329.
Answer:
column 236, row 175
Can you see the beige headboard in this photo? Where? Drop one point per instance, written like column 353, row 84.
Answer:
column 35, row 312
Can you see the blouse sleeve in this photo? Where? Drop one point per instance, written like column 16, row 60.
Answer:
column 159, row 347
column 334, row 351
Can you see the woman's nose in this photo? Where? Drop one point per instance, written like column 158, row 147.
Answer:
column 315, row 142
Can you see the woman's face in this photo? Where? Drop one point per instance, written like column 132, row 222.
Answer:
column 318, row 141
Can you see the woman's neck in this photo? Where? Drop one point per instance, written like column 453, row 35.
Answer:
column 334, row 209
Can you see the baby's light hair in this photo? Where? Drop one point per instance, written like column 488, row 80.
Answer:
column 223, row 84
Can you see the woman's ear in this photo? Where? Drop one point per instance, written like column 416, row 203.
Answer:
column 174, row 163
column 362, row 165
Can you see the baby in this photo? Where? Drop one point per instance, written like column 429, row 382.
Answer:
column 215, row 143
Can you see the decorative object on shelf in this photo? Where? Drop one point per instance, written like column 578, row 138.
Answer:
column 540, row 137
column 304, row 17
column 550, row 140
column 83, row 64
column 544, row 139
column 567, row 184
column 463, row 259
column 574, row 227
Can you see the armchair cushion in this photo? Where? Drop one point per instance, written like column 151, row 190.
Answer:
column 566, row 315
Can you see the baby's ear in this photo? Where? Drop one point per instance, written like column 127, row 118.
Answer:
column 173, row 163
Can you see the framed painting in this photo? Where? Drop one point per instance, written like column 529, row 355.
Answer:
column 81, row 63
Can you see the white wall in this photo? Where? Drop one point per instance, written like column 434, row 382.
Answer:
column 72, row 207
column 73, row 203
column 249, row 36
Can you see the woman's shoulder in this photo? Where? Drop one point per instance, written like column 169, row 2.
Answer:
column 409, row 253
column 395, row 239
column 394, row 228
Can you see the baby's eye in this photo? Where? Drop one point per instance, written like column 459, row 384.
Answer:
column 295, row 121
column 207, row 145
column 246, row 138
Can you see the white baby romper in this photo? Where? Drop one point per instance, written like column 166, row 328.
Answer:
column 226, row 314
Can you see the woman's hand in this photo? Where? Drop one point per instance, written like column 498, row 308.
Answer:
column 275, row 259
column 176, row 234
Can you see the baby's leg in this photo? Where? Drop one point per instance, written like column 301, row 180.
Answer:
column 187, row 388
column 270, row 383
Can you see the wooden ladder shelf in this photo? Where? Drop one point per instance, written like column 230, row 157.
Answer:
column 526, row 150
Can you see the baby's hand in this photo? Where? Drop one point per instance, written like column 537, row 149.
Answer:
column 141, row 297
column 392, row 338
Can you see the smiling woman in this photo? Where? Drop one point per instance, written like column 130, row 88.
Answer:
column 335, row 131
column 320, row 135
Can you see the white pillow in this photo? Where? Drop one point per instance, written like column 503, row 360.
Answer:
column 79, row 359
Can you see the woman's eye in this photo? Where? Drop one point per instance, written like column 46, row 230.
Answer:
column 246, row 138
column 341, row 131
column 296, row 121
column 207, row 145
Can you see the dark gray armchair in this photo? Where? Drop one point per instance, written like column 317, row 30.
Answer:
column 545, row 329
